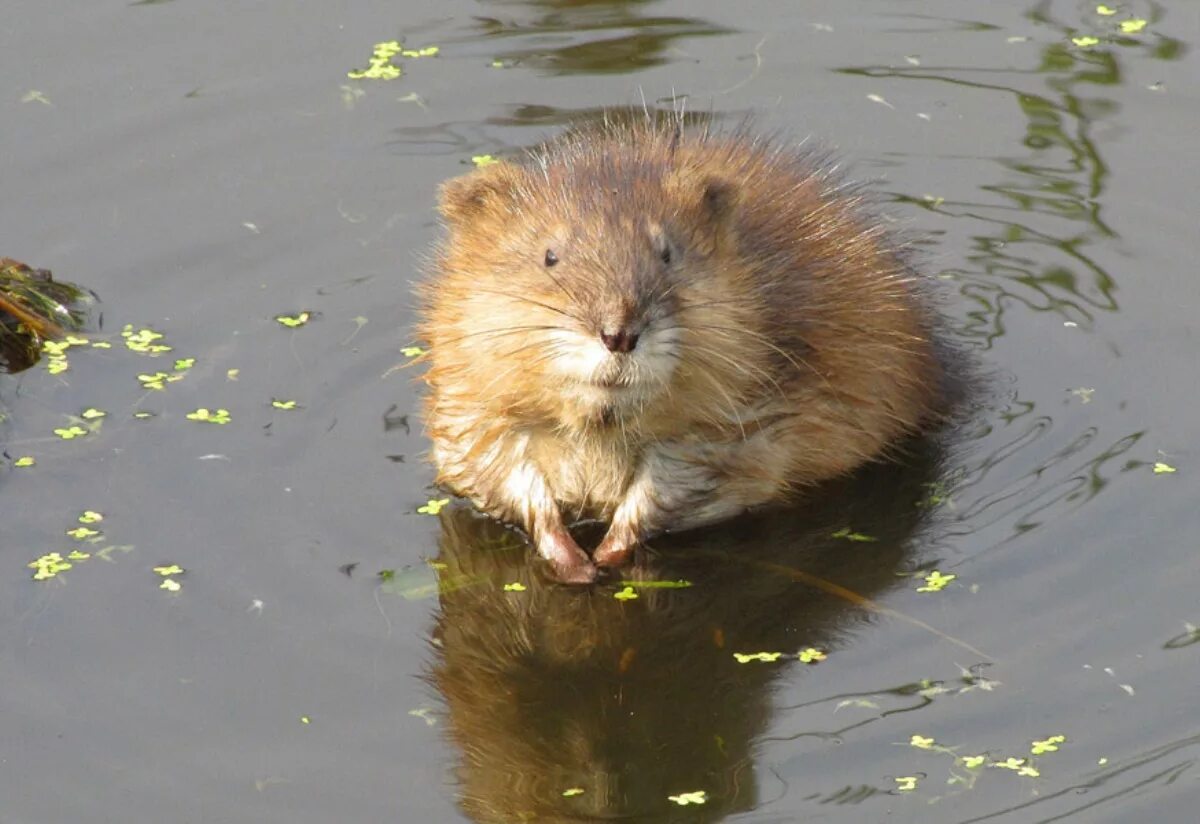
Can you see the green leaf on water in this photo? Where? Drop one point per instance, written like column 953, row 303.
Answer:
column 294, row 321
column 217, row 416
column 433, row 507
column 936, row 582
column 1048, row 745
column 48, row 566
column 845, row 532
column 747, row 657
column 680, row 584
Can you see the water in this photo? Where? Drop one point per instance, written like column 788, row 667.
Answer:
column 207, row 170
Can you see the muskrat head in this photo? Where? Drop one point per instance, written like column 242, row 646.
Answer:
column 576, row 273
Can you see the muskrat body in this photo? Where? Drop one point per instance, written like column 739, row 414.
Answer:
column 661, row 328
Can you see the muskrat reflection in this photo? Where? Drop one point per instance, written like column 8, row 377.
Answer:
column 555, row 688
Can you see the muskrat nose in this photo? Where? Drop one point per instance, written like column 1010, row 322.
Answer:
column 620, row 341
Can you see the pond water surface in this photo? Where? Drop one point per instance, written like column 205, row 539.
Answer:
column 207, row 168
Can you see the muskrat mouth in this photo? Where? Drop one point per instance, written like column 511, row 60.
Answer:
column 613, row 383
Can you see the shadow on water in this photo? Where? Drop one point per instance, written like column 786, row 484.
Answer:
column 551, row 688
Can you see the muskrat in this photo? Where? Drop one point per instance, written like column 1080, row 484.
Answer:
column 661, row 327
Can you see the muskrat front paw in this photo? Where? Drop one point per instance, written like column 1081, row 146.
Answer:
column 614, row 551
column 584, row 572
column 569, row 563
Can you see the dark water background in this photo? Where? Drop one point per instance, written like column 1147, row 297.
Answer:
column 205, row 167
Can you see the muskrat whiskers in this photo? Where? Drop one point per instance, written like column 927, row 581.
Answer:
column 531, row 302
column 502, row 331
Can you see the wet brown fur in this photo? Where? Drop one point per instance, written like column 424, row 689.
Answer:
column 803, row 343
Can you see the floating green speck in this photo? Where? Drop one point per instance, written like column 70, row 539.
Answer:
column 1161, row 468
column 680, row 584
column 143, row 340
column 294, row 321
column 1048, row 745
column 232, row 374
column 412, row 351
column 1132, row 26
column 747, row 657
column 1106, row 11
column 1010, row 763
column 695, row 797
column 379, row 67
column 183, row 364
column 483, row 160
column 973, row 762
column 858, row 537
column 157, row 380
column 626, row 594
column 25, row 460
column 1085, row 41
column 71, row 432
column 936, row 582
column 572, row 792
column 170, row 569
column 48, row 566
column 278, row 404
column 81, row 533
column 203, row 415
column 433, row 506
column 516, row 586
column 89, row 516
column 906, row 783
column 921, row 742
column 170, row 585
column 92, row 414
column 78, row 555
column 812, row 655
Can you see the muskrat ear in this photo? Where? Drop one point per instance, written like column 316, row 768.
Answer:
column 719, row 197
column 463, row 198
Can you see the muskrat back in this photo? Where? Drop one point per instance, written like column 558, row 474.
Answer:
column 662, row 327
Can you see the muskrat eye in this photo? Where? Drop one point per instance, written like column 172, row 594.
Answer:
column 662, row 248
column 551, row 258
